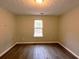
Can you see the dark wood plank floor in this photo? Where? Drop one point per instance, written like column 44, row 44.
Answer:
column 48, row 51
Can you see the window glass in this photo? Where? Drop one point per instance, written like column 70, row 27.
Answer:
column 38, row 28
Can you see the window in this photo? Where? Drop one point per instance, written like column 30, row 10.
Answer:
column 38, row 28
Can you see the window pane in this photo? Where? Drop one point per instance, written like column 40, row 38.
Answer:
column 38, row 28
column 38, row 24
column 38, row 33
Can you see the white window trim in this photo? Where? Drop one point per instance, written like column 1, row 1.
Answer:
column 38, row 28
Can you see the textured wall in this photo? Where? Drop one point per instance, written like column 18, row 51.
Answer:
column 7, row 30
column 69, row 30
column 25, row 29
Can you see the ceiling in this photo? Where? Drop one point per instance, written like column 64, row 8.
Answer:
column 29, row 7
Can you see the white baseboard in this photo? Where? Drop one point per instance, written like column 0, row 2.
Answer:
column 34, row 42
column 22, row 43
column 7, row 50
column 69, row 50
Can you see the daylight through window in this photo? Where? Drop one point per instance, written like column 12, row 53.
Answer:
column 38, row 28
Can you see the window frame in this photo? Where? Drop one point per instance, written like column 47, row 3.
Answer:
column 38, row 28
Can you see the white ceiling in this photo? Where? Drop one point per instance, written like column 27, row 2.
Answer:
column 29, row 7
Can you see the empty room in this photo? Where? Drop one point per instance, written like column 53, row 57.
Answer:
column 39, row 29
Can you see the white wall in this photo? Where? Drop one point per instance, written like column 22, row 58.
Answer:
column 25, row 29
column 7, row 30
column 69, row 30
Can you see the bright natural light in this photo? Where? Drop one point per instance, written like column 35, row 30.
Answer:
column 39, row 1
column 38, row 28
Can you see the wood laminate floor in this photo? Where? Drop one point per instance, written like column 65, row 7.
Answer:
column 49, row 51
